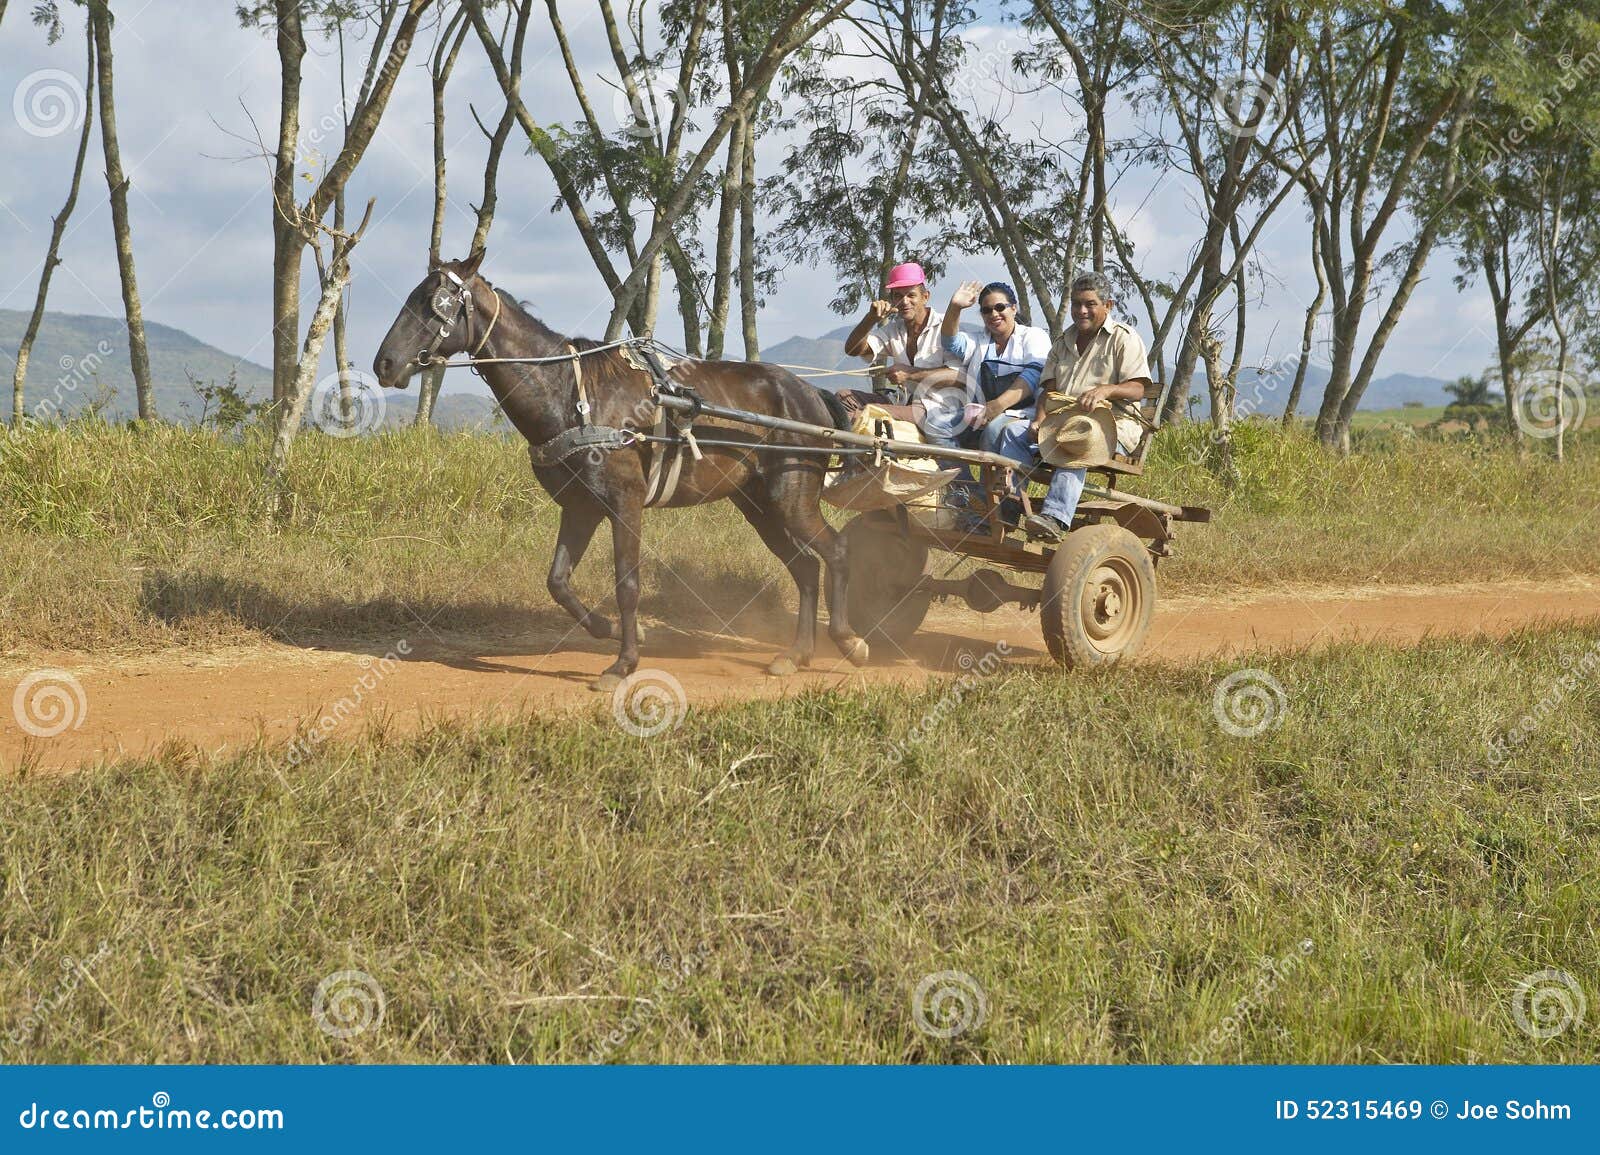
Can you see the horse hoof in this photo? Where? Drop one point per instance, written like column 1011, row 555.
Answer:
column 855, row 651
column 605, row 683
column 782, row 666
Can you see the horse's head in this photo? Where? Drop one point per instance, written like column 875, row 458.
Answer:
column 438, row 319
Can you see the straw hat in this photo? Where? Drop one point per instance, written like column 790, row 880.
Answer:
column 1071, row 438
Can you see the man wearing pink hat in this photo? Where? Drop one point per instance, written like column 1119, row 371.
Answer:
column 903, row 331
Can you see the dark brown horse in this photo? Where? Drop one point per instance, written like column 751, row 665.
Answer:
column 454, row 310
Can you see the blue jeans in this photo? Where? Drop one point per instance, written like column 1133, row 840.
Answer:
column 1012, row 439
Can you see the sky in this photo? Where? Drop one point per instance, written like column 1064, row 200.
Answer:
column 194, row 90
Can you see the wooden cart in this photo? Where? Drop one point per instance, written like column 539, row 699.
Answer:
column 1099, row 591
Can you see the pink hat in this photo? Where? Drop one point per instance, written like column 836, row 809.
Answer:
column 906, row 275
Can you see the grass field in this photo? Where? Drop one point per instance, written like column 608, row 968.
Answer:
column 1362, row 881
column 115, row 539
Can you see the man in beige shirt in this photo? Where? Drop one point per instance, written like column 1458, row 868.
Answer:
column 1098, row 359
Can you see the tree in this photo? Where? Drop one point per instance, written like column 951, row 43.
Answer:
column 51, row 18
column 909, row 152
column 802, row 21
column 445, row 51
column 1224, row 83
column 100, row 21
column 306, row 218
column 1390, row 92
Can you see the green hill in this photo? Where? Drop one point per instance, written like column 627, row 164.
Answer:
column 76, row 355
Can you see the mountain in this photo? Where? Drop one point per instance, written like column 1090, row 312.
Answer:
column 76, row 355
column 1268, row 392
column 824, row 352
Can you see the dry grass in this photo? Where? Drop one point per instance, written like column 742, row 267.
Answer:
column 1112, row 869
column 115, row 539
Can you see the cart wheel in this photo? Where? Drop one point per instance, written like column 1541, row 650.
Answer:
column 1098, row 597
column 881, row 598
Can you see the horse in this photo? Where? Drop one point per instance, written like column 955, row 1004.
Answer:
column 571, row 409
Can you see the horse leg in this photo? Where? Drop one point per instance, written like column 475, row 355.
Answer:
column 804, row 522
column 803, row 567
column 578, row 523
column 625, row 532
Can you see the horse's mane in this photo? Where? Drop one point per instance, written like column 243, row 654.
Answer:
column 607, row 368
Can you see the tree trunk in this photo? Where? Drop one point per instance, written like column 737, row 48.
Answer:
column 428, row 385
column 727, row 215
column 747, row 231
column 1221, row 390
column 341, row 358
column 288, row 245
column 688, row 308
column 1308, row 333
column 444, row 62
column 117, row 182
column 58, row 227
column 1500, row 300
column 294, row 409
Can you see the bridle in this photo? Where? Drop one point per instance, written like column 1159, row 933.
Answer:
column 450, row 307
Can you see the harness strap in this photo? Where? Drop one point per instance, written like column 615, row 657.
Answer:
column 583, row 393
column 484, row 340
column 577, row 440
column 665, row 444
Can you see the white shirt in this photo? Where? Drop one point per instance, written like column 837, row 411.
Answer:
column 1027, row 346
column 889, row 342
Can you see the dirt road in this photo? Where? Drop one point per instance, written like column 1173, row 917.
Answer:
column 220, row 699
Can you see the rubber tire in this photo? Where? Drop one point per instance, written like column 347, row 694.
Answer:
column 1090, row 560
column 884, row 565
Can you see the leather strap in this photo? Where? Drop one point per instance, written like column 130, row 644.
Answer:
column 578, row 440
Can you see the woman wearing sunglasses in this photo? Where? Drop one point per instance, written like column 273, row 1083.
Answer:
column 1000, row 369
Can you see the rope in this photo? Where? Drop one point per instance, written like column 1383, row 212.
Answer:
column 812, row 369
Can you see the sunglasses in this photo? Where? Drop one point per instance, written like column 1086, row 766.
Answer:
column 1000, row 308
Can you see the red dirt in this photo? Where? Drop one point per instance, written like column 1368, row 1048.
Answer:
column 219, row 699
